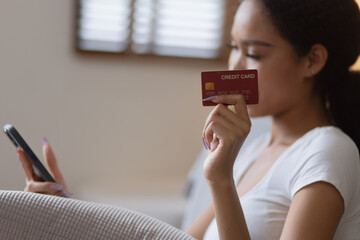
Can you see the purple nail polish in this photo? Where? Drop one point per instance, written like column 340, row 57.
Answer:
column 57, row 188
column 66, row 194
column 204, row 144
column 210, row 98
column 45, row 141
column 18, row 148
column 208, row 145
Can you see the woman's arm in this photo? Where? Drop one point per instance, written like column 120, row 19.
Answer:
column 198, row 228
column 224, row 196
column 314, row 213
column 225, row 132
column 229, row 214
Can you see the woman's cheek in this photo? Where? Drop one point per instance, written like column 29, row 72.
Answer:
column 267, row 94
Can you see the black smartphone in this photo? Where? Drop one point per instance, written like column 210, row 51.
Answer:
column 18, row 141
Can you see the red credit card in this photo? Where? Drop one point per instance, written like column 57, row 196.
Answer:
column 244, row 82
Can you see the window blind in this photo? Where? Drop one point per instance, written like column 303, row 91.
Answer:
column 189, row 28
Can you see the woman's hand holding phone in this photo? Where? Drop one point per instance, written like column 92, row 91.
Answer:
column 34, row 183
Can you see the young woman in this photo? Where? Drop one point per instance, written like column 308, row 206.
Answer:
column 302, row 180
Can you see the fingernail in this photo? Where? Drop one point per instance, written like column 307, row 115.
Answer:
column 45, row 141
column 66, row 194
column 210, row 98
column 207, row 144
column 57, row 188
column 204, row 144
column 18, row 150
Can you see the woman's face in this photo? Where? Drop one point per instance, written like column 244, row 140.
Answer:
column 257, row 44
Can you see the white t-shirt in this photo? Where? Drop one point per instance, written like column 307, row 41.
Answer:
column 323, row 154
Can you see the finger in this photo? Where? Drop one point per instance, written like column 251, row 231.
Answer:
column 237, row 100
column 216, row 131
column 65, row 194
column 235, row 121
column 209, row 119
column 26, row 165
column 225, row 111
column 48, row 188
column 51, row 162
column 219, row 132
column 44, row 187
column 214, row 143
column 230, row 115
column 218, row 120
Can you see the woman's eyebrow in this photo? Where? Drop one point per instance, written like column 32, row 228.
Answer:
column 256, row 42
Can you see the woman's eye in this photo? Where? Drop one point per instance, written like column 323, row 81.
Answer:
column 232, row 46
column 255, row 57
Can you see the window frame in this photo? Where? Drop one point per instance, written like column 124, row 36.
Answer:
column 230, row 9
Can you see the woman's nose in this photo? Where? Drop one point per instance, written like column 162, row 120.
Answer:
column 235, row 61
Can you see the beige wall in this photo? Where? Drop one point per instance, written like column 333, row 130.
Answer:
column 112, row 120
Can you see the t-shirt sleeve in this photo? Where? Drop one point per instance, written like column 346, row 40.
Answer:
column 335, row 161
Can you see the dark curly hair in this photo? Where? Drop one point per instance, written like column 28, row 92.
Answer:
column 336, row 25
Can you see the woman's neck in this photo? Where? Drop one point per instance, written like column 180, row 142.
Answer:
column 288, row 126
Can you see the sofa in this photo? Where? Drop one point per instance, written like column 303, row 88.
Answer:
column 30, row 216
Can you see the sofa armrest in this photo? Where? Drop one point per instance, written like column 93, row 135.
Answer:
column 37, row 216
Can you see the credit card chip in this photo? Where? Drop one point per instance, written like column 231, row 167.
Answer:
column 209, row 86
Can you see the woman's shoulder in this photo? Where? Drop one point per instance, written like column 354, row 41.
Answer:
column 329, row 139
column 325, row 154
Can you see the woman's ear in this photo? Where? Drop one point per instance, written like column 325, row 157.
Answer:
column 316, row 60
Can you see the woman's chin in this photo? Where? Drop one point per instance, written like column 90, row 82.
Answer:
column 255, row 111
